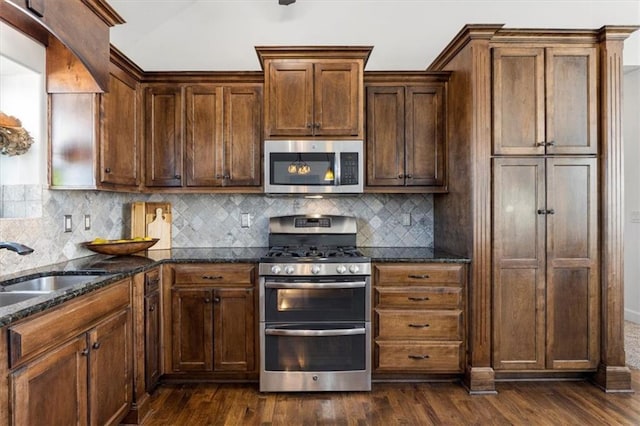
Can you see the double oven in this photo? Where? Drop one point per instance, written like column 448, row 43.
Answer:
column 315, row 313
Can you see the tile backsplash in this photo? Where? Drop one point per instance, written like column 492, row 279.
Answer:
column 206, row 220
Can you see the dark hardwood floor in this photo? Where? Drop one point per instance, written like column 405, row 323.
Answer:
column 517, row 403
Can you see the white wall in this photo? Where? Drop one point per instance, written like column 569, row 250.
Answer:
column 631, row 106
column 22, row 95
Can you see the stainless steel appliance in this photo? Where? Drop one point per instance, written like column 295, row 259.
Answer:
column 313, row 166
column 315, row 312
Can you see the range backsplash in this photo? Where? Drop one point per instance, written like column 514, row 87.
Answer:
column 206, row 220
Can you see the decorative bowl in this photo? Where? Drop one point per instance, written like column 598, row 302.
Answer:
column 119, row 247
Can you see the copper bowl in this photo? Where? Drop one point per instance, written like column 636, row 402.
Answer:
column 120, row 248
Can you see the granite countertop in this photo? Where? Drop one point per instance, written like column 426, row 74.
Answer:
column 113, row 268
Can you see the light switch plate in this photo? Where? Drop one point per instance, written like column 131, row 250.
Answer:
column 245, row 220
column 67, row 223
column 406, row 219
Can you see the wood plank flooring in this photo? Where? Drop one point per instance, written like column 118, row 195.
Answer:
column 517, row 403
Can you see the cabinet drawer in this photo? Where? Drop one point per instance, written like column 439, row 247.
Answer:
column 412, row 324
column 151, row 281
column 417, row 274
column 233, row 273
column 403, row 356
column 418, row 297
column 34, row 336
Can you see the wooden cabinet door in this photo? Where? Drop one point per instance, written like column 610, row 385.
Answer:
column 242, row 136
column 385, row 135
column 163, row 136
column 204, row 135
column 518, row 101
column 338, row 109
column 234, row 329
column 152, row 339
column 424, row 136
column 52, row 390
column 111, row 369
column 289, row 99
column 518, row 263
column 571, row 100
column 119, row 146
column 572, row 263
column 192, row 334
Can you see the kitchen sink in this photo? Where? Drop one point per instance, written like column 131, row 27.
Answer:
column 46, row 284
column 7, row 299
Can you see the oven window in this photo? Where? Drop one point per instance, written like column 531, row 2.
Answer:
column 316, row 169
column 292, row 305
column 314, row 353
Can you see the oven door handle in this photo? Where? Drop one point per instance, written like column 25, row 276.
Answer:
column 313, row 333
column 303, row 286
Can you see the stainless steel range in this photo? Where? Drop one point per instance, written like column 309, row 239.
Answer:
column 315, row 316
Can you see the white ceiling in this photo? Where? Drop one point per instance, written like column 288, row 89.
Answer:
column 220, row 35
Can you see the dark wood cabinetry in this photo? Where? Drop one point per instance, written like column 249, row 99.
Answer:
column 406, row 139
column 73, row 365
column 545, row 263
column 545, row 100
column 203, row 135
column 419, row 319
column 313, row 92
column 213, row 320
column 152, row 318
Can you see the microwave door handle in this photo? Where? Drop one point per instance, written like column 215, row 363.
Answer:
column 314, row 286
column 313, row 333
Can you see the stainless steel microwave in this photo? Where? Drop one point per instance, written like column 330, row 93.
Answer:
column 313, row 166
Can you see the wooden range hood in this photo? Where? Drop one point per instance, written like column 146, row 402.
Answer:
column 76, row 34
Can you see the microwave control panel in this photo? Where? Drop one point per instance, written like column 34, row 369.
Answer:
column 349, row 168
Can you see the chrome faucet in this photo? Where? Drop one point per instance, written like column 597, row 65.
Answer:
column 17, row 247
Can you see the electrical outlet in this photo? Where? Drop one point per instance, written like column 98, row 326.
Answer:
column 635, row 216
column 67, row 223
column 87, row 222
column 406, row 219
column 245, row 220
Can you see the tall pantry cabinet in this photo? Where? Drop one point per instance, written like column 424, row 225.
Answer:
column 545, row 245
column 538, row 130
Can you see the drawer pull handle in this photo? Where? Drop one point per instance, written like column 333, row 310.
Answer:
column 418, row 299
column 96, row 345
column 84, row 352
column 418, row 356
column 419, row 277
column 152, row 308
column 419, row 325
column 211, row 277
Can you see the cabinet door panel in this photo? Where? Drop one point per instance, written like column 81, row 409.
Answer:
column 192, row 336
column 119, row 147
column 572, row 262
column 110, row 392
column 518, row 101
column 571, row 101
column 337, row 99
column 385, row 136
column 424, row 137
column 52, row 390
column 204, row 135
column 163, row 136
column 518, row 264
column 290, row 99
column 243, row 137
column 152, row 339
column 234, row 327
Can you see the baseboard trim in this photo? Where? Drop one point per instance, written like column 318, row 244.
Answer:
column 631, row 315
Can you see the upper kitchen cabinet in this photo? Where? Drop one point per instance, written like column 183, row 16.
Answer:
column 119, row 150
column 313, row 91
column 406, row 139
column 545, row 100
column 204, row 134
column 77, row 39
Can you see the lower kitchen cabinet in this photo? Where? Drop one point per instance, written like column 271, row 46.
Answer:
column 419, row 318
column 213, row 320
column 73, row 365
column 152, row 320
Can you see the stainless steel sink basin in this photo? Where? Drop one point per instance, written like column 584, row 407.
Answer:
column 47, row 284
column 7, row 299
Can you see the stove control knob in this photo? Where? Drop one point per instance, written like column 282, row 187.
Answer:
column 276, row 269
column 341, row 269
column 354, row 269
column 289, row 270
column 315, row 269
